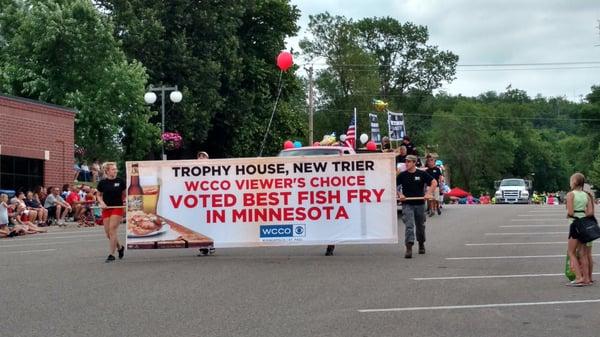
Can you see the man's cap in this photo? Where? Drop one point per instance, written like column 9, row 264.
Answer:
column 411, row 158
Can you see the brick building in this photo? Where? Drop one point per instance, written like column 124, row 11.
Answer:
column 36, row 143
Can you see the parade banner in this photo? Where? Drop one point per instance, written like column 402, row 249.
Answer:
column 249, row 202
column 375, row 133
column 396, row 126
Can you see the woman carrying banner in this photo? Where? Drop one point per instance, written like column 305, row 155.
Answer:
column 111, row 193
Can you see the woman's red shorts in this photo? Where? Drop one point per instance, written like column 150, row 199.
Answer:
column 107, row 212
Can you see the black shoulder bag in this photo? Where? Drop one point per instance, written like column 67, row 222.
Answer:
column 587, row 229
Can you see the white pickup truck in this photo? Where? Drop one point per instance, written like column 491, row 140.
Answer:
column 512, row 191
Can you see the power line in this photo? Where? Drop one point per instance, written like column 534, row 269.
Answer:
column 468, row 65
column 526, row 64
column 528, row 69
column 484, row 117
column 501, row 69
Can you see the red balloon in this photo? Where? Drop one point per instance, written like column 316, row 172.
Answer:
column 371, row 146
column 285, row 60
column 316, row 144
column 288, row 144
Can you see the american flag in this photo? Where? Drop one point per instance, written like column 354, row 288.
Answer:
column 351, row 133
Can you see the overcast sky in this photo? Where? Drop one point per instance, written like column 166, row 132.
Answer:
column 496, row 32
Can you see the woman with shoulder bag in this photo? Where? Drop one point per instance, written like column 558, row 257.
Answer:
column 579, row 205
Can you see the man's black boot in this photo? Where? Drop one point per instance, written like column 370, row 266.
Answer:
column 408, row 253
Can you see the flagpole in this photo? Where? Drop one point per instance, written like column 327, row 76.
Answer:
column 356, row 136
column 389, row 128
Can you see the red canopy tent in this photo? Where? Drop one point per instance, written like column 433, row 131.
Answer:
column 457, row 192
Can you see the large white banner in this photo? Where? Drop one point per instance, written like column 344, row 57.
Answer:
column 250, row 202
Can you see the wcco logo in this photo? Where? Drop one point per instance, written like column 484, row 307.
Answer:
column 282, row 231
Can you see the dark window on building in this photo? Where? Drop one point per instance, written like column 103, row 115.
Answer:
column 20, row 174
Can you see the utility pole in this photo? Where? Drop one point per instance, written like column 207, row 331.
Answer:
column 598, row 26
column 311, row 107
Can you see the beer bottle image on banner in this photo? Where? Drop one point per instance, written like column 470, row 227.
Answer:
column 134, row 192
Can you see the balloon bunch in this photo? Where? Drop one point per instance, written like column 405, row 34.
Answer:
column 328, row 140
column 288, row 144
column 370, row 145
column 380, row 105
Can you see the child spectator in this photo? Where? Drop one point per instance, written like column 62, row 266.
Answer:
column 22, row 219
column 14, row 223
column 4, row 231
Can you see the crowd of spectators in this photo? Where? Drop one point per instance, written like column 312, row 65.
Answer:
column 29, row 212
column 83, row 172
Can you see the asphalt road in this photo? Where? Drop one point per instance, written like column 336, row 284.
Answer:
column 472, row 282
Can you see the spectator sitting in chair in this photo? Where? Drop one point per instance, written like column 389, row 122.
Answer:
column 78, row 206
column 22, row 206
column 13, row 228
column 57, row 206
column 23, row 219
column 33, row 204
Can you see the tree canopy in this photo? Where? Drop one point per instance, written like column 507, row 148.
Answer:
column 222, row 54
column 63, row 52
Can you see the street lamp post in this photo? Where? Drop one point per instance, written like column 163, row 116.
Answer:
column 150, row 98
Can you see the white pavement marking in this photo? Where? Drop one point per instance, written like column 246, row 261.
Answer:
column 537, row 215
column 479, row 306
column 28, row 251
column 554, row 211
column 486, row 277
column 525, row 226
column 546, row 220
column 57, row 237
column 516, row 243
column 529, row 233
column 76, row 232
column 508, row 257
column 49, row 243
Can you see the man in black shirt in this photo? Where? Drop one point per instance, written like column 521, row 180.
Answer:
column 413, row 183
column 436, row 173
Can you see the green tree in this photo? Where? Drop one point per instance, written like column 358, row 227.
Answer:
column 373, row 58
column 476, row 153
column 63, row 52
column 222, row 53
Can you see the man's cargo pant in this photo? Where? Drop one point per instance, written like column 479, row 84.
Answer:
column 413, row 215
